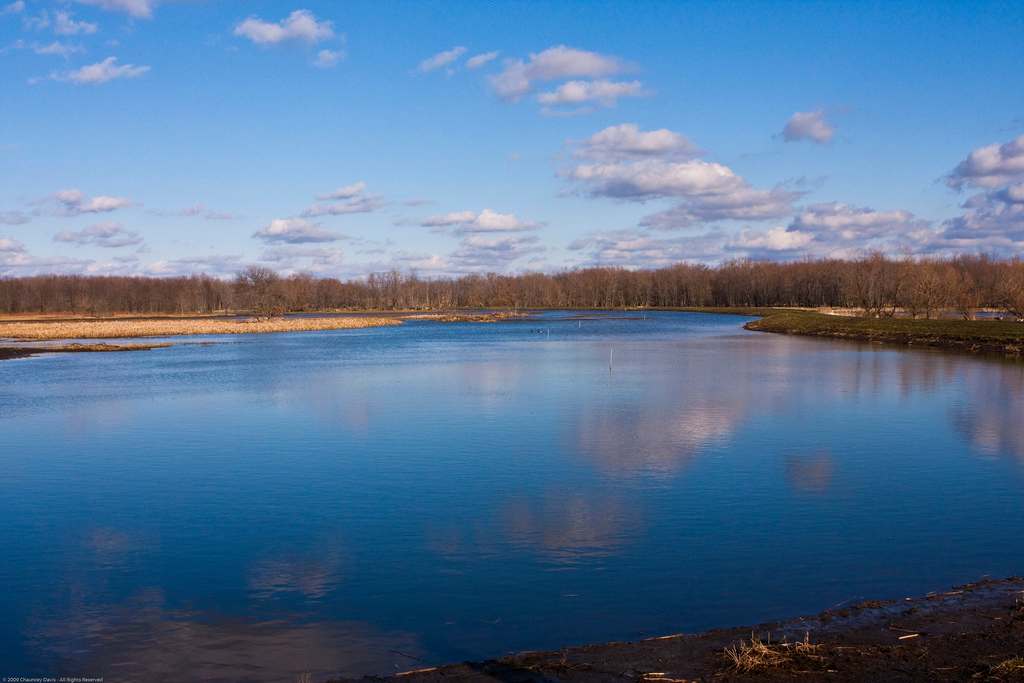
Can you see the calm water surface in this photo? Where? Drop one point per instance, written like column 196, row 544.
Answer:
column 366, row 501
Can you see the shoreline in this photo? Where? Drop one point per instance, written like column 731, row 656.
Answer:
column 990, row 337
column 970, row 632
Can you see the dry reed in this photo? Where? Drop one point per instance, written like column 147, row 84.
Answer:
column 116, row 329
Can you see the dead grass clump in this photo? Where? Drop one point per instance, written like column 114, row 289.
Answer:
column 1012, row 666
column 758, row 655
column 116, row 329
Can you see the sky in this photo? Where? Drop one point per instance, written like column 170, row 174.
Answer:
column 341, row 138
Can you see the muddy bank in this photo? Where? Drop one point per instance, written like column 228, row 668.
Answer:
column 9, row 352
column 971, row 632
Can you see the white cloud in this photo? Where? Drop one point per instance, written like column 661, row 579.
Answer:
column 16, row 7
column 995, row 218
column 101, row 72
column 482, row 59
column 345, row 192
column 294, row 259
column 835, row 221
column 656, row 178
column 14, row 218
column 636, row 165
column 74, row 202
column 478, row 253
column 356, row 205
column 555, row 63
column 604, row 92
column 57, row 48
column 108, row 234
column 772, row 240
column 65, row 25
column 345, row 200
column 743, row 203
column 639, row 249
column 198, row 211
column 295, row 231
column 990, row 166
column 9, row 246
column 627, row 141
column 217, row 264
column 140, row 9
column 325, row 59
column 301, row 25
column 808, row 125
column 441, row 59
column 480, row 222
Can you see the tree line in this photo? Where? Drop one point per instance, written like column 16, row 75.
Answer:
column 878, row 285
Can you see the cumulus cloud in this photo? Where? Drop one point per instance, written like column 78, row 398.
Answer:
column 990, row 166
column 74, row 202
column 345, row 200
column 553, row 64
column 771, row 241
column 441, row 59
column 139, row 9
column 479, row 222
column 216, row 264
column 627, row 141
column 65, row 25
column 198, row 211
column 299, row 26
column 603, row 92
column 626, row 163
column 101, row 72
column 14, row 218
column 640, row 249
column 57, row 48
column 325, row 59
column 315, row 259
column 808, row 125
column 743, row 203
column 11, row 246
column 837, row 222
column 482, row 59
column 994, row 218
column 108, row 235
column 487, row 252
column 16, row 7
column 345, row 192
column 366, row 204
column 295, row 231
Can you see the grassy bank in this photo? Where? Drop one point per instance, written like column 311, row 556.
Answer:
column 975, row 336
column 120, row 328
column 972, row 632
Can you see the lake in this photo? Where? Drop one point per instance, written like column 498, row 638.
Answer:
column 375, row 500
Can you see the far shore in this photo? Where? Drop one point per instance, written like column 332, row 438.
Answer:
column 1000, row 337
column 970, row 632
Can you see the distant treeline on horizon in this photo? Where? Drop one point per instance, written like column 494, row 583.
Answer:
column 874, row 283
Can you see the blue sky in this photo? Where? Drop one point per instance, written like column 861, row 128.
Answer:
column 341, row 138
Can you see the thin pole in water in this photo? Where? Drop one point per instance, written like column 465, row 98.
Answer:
column 611, row 358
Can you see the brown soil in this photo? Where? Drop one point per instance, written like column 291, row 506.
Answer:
column 973, row 632
column 8, row 352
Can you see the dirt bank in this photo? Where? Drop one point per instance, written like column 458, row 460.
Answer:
column 9, row 352
column 972, row 632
